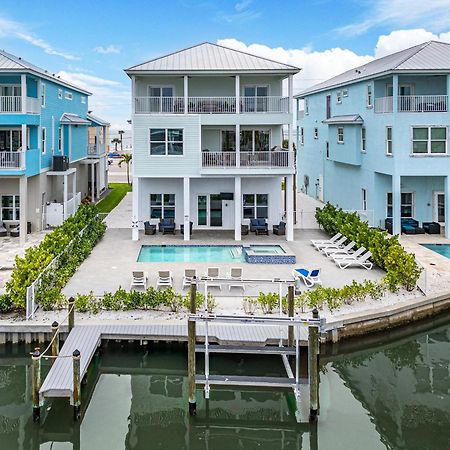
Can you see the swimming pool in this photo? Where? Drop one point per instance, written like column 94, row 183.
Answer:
column 273, row 254
column 442, row 249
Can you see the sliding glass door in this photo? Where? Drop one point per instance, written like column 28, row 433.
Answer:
column 209, row 210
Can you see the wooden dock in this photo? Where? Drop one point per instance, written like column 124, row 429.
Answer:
column 87, row 338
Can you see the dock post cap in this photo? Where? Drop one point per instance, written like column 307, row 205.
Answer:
column 315, row 312
column 55, row 324
column 36, row 353
column 76, row 353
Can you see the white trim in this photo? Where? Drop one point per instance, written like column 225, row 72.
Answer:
column 369, row 97
column 388, row 140
column 68, row 95
column 363, row 142
column 364, row 199
column 43, row 95
column 435, row 206
column 338, row 139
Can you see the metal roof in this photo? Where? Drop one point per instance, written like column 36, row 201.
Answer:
column 207, row 57
column 11, row 63
column 97, row 120
column 350, row 119
column 73, row 119
column 429, row 56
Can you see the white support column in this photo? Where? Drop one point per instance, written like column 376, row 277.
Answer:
column 447, row 206
column 186, row 93
column 238, row 145
column 97, row 178
column 24, row 146
column 135, row 216
column 238, row 93
column 186, row 208
column 23, row 88
column 290, row 207
column 237, row 208
column 291, row 92
column 92, row 182
column 53, row 135
column 70, row 143
column 394, row 94
column 23, row 193
column 66, row 196
column 396, row 205
column 74, row 184
column 133, row 95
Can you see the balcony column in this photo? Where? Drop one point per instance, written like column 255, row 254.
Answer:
column 395, row 98
column 186, row 93
column 238, row 145
column 447, row 206
column 23, row 196
column 237, row 208
column 238, row 93
column 291, row 93
column 186, row 208
column 24, row 146
column 23, row 88
column 289, row 208
column 133, row 95
column 92, row 182
column 135, row 216
column 74, row 186
column 66, row 196
column 396, row 205
column 97, row 177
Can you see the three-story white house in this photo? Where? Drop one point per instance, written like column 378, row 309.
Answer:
column 207, row 139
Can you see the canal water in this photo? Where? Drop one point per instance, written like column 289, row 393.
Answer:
column 392, row 395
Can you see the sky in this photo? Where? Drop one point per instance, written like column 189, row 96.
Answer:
column 91, row 43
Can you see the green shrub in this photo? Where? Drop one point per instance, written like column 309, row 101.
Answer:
column 5, row 303
column 211, row 303
column 268, row 302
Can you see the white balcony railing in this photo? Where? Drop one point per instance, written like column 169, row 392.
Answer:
column 33, row 105
column 422, row 103
column 13, row 104
column 383, row 105
column 211, row 105
column 267, row 160
column 10, row 160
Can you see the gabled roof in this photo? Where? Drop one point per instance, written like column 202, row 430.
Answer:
column 350, row 119
column 207, row 57
column 11, row 63
column 73, row 119
column 430, row 56
column 96, row 120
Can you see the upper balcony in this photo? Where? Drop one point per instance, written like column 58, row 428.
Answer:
column 19, row 94
column 412, row 103
column 10, row 104
column 20, row 162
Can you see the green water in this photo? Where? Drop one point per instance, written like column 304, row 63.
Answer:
column 393, row 396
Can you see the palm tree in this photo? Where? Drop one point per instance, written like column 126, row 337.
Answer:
column 121, row 133
column 115, row 141
column 126, row 158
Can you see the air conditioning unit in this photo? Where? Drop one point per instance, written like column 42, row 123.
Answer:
column 60, row 163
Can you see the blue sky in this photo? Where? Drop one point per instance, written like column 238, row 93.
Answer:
column 90, row 43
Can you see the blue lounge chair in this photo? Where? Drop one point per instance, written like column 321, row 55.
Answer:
column 167, row 226
column 309, row 277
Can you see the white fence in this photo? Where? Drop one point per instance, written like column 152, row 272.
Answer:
column 364, row 215
column 265, row 104
column 71, row 206
column 33, row 105
column 11, row 160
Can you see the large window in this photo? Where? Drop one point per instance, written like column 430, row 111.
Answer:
column 255, row 140
column 166, row 141
column 388, row 140
column 255, row 206
column 429, row 140
column 255, row 98
column 162, row 206
column 406, row 207
column 339, row 97
column 10, row 207
column 10, row 140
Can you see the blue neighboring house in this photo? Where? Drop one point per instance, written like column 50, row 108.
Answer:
column 42, row 119
column 376, row 139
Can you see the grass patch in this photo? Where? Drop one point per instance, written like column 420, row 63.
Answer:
column 118, row 192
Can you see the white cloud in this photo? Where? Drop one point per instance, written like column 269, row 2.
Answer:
column 242, row 13
column 432, row 14
column 107, row 50
column 10, row 28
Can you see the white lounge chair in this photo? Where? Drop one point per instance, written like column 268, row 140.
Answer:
column 139, row 279
column 324, row 241
column 211, row 275
column 348, row 261
column 355, row 254
column 347, row 250
column 165, row 279
column 236, row 276
column 309, row 277
column 189, row 275
column 336, row 244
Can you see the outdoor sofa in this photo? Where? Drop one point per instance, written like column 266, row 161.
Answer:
column 409, row 226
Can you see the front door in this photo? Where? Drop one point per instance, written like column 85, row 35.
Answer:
column 439, row 207
column 209, row 210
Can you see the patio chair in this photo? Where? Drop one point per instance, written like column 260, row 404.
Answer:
column 15, row 232
column 336, row 244
column 3, row 231
column 167, row 226
column 236, row 276
column 165, row 279
column 149, row 228
column 329, row 251
column 431, row 227
column 189, row 275
column 309, row 277
column 211, row 275
column 259, row 226
column 351, row 260
column 280, row 229
column 355, row 254
column 325, row 241
column 139, row 279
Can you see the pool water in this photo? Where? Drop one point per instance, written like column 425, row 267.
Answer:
column 442, row 249
column 202, row 253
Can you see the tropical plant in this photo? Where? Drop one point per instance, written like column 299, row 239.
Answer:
column 115, row 141
column 126, row 158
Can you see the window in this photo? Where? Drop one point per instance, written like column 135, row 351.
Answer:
column 302, row 136
column 369, row 96
column 60, row 138
column 306, row 106
column 83, row 99
column 364, row 199
column 166, row 141
column 255, row 140
column 228, row 141
column 316, row 133
column 429, row 140
column 344, row 92
column 363, row 139
column 68, row 95
column 10, row 90
column 60, row 94
column 255, row 206
column 10, row 207
column 388, row 140
column 43, row 95
column 340, row 135
column 43, row 139
column 10, row 140
column 339, row 97
column 406, row 206
column 162, row 206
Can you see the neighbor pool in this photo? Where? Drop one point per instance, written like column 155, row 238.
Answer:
column 442, row 249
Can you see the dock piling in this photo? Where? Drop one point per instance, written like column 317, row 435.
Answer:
column 290, row 299
column 313, row 355
column 36, row 383
column 71, row 313
column 191, row 352
column 76, row 384
column 55, row 339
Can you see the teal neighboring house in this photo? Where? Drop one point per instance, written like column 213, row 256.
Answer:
column 376, row 138
column 47, row 163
